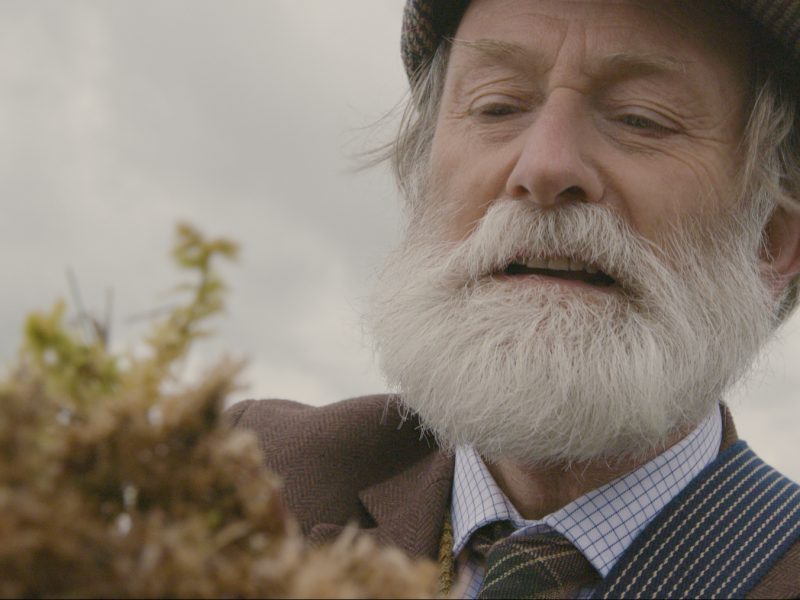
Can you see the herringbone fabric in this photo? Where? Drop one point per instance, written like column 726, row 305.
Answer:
column 538, row 566
column 426, row 22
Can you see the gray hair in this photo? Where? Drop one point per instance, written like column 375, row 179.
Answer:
column 409, row 154
column 771, row 158
column 770, row 174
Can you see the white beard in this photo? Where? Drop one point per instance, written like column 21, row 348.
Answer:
column 542, row 374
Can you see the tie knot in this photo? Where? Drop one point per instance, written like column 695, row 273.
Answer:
column 536, row 566
column 489, row 535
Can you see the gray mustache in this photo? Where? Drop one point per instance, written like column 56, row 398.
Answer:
column 590, row 234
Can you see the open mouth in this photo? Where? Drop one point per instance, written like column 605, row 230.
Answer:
column 566, row 269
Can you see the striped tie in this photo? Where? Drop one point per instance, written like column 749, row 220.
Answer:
column 537, row 566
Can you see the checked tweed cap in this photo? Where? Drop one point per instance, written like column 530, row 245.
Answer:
column 538, row 566
column 426, row 22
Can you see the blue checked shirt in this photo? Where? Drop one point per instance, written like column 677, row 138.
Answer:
column 601, row 524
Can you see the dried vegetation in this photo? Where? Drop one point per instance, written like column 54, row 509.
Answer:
column 118, row 480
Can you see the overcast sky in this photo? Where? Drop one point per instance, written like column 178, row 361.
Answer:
column 121, row 117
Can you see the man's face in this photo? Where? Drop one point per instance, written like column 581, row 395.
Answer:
column 582, row 278
column 636, row 106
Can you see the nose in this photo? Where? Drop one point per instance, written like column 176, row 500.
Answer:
column 553, row 164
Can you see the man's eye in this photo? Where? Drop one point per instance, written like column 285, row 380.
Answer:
column 496, row 110
column 644, row 124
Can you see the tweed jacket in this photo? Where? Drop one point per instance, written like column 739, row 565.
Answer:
column 359, row 462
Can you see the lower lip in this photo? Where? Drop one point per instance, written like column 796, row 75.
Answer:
column 574, row 284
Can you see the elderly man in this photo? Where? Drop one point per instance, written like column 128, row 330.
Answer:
column 602, row 233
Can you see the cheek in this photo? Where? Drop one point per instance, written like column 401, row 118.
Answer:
column 464, row 183
column 655, row 197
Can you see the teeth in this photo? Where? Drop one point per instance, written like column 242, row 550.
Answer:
column 536, row 263
column 559, row 264
column 576, row 265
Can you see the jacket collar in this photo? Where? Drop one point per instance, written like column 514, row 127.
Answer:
column 729, row 435
column 408, row 509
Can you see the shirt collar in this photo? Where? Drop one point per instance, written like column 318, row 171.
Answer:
column 603, row 523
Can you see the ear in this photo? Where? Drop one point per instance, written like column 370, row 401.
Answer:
column 781, row 252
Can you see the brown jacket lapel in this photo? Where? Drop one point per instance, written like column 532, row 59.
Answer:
column 356, row 462
column 409, row 508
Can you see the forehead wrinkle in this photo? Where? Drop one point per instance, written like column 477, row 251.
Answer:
column 492, row 52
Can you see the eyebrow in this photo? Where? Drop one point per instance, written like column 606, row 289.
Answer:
column 620, row 65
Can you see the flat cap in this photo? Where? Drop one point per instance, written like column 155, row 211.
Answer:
column 426, row 22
